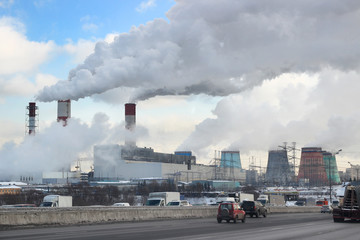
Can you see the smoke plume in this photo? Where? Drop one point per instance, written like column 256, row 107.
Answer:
column 219, row 48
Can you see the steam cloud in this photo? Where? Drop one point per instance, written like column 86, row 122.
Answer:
column 219, row 48
column 56, row 147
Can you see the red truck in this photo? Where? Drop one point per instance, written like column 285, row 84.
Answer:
column 349, row 207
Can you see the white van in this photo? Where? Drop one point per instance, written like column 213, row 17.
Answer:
column 121, row 204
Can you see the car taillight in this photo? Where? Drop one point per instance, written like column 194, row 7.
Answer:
column 254, row 207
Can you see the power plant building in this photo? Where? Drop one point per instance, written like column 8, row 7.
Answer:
column 126, row 162
column 317, row 167
column 278, row 168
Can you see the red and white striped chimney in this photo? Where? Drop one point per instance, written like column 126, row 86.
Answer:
column 130, row 122
column 64, row 111
column 32, row 118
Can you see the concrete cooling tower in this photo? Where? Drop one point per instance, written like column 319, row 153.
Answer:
column 278, row 169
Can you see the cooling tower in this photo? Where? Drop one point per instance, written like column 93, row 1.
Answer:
column 64, row 111
column 312, row 167
column 278, row 169
column 230, row 159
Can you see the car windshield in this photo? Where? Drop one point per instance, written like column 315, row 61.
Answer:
column 226, row 206
column 248, row 204
column 153, row 202
column 46, row 204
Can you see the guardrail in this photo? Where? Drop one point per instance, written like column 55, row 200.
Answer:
column 86, row 215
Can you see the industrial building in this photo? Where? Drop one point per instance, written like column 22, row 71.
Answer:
column 317, row 167
column 125, row 162
column 278, row 171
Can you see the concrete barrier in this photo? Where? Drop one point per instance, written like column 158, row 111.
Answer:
column 88, row 215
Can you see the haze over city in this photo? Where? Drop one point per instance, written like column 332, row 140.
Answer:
column 206, row 75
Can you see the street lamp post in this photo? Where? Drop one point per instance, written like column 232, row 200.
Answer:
column 330, row 180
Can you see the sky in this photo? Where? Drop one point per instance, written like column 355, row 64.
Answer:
column 206, row 76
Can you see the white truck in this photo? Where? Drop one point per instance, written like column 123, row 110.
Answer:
column 162, row 198
column 56, row 201
column 239, row 196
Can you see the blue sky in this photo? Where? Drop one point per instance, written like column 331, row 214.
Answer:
column 211, row 75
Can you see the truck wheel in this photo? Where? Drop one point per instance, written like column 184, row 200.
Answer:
column 338, row 219
column 235, row 219
column 243, row 220
column 219, row 220
column 265, row 214
column 251, row 215
column 228, row 221
column 257, row 214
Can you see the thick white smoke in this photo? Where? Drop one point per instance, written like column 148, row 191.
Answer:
column 55, row 148
column 219, row 48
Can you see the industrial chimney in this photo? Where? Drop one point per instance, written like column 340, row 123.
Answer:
column 32, row 119
column 64, row 111
column 130, row 123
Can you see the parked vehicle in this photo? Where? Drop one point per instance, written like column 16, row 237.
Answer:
column 326, row 209
column 162, row 198
column 230, row 211
column 254, row 208
column 121, row 204
column 56, row 201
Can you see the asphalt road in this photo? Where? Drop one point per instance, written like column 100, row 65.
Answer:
column 275, row 226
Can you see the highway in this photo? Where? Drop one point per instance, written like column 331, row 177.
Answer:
column 275, row 226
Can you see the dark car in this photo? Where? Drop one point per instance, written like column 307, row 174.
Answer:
column 230, row 211
column 254, row 208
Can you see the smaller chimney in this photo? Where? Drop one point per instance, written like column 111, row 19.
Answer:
column 130, row 123
column 32, row 118
column 64, row 111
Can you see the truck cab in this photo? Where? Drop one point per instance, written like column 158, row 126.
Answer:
column 155, row 202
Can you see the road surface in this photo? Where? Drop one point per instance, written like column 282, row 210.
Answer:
column 275, row 226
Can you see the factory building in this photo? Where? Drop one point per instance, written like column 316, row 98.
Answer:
column 278, row 169
column 126, row 162
column 317, row 167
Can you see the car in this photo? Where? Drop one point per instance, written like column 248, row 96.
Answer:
column 230, row 211
column 254, row 208
column 179, row 203
column 326, row 209
column 122, row 204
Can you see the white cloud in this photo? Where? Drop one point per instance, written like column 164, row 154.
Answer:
column 145, row 5
column 17, row 54
column 6, row 3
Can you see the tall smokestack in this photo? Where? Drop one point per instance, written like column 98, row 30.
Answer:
column 130, row 122
column 32, row 118
column 64, row 111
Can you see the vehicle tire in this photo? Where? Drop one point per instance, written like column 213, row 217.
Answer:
column 228, row 221
column 219, row 220
column 251, row 215
column 225, row 212
column 235, row 219
column 257, row 214
column 243, row 220
column 338, row 220
column 265, row 213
